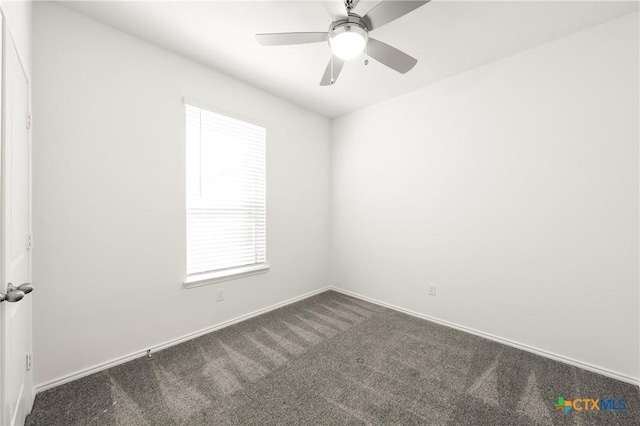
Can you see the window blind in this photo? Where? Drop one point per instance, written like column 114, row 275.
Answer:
column 226, row 186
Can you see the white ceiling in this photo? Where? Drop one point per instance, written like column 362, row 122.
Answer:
column 447, row 38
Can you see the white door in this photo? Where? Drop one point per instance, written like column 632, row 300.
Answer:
column 16, row 395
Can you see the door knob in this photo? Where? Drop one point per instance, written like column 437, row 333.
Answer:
column 15, row 294
column 26, row 288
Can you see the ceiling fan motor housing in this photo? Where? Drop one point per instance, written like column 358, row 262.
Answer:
column 352, row 21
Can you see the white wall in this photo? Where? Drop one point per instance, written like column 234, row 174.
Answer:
column 514, row 188
column 109, row 195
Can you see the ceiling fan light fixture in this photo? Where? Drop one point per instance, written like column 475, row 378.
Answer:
column 348, row 40
column 348, row 36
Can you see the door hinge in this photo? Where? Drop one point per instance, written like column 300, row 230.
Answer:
column 29, row 121
column 30, row 242
column 29, row 361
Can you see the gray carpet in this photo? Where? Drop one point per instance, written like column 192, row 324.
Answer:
column 334, row 360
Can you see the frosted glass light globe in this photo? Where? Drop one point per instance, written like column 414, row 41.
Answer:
column 347, row 45
column 348, row 41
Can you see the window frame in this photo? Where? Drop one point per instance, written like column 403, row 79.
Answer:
column 235, row 272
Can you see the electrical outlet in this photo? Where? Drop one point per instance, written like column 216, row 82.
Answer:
column 220, row 294
column 29, row 361
column 432, row 289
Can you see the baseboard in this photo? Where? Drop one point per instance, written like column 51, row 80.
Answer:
column 121, row 360
column 560, row 358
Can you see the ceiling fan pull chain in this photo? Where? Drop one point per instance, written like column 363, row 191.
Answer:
column 332, row 80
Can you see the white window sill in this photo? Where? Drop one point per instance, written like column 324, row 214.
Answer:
column 226, row 275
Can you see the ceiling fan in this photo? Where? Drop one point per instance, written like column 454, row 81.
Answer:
column 348, row 37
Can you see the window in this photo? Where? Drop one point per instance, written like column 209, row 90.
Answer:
column 226, row 205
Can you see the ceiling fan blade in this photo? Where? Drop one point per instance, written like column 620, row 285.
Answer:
column 335, row 9
column 281, row 39
column 337, row 67
column 388, row 11
column 390, row 56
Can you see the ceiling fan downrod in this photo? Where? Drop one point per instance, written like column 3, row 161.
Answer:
column 350, row 4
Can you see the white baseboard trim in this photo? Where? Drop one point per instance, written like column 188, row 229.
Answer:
column 560, row 358
column 139, row 354
column 121, row 360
